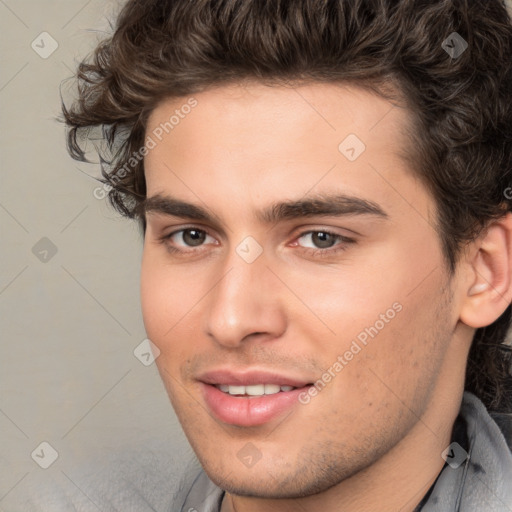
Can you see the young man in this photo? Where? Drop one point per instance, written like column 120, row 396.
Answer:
column 324, row 192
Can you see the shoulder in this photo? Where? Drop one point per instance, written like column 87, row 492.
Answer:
column 488, row 480
column 481, row 479
column 487, row 428
column 504, row 422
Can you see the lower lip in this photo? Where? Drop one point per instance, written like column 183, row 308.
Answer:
column 249, row 411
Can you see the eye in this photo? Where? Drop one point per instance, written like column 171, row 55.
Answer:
column 321, row 239
column 190, row 237
column 325, row 243
column 319, row 243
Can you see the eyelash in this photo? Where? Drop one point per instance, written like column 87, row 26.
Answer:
column 340, row 247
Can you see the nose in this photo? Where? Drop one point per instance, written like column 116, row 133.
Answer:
column 244, row 302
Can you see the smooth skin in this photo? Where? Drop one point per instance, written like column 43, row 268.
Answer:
column 372, row 439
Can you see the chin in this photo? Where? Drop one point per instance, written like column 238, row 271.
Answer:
column 270, row 483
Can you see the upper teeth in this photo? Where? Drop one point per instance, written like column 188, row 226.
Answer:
column 254, row 390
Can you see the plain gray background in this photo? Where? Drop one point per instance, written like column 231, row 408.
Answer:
column 70, row 321
column 71, row 318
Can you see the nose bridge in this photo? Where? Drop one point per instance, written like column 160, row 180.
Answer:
column 242, row 301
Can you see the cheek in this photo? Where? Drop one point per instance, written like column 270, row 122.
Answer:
column 162, row 298
column 154, row 300
column 395, row 371
column 165, row 290
column 356, row 301
column 391, row 327
column 170, row 302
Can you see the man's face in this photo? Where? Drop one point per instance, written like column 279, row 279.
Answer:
column 233, row 299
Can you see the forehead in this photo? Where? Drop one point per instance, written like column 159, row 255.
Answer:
column 253, row 105
column 251, row 141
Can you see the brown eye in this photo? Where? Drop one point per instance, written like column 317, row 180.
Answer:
column 321, row 239
column 186, row 238
column 193, row 237
column 322, row 243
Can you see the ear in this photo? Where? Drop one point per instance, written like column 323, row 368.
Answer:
column 487, row 291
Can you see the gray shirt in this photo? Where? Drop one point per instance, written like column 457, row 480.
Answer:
column 478, row 482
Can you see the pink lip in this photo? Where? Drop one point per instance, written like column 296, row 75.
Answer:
column 250, row 377
column 249, row 411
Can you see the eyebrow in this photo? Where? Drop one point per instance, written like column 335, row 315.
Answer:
column 309, row 206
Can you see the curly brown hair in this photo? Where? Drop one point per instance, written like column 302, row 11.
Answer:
column 461, row 145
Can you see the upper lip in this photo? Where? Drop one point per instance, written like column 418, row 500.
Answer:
column 250, row 377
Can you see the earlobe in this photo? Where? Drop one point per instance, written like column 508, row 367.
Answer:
column 489, row 290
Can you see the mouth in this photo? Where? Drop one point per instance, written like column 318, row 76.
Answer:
column 250, row 398
column 253, row 390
